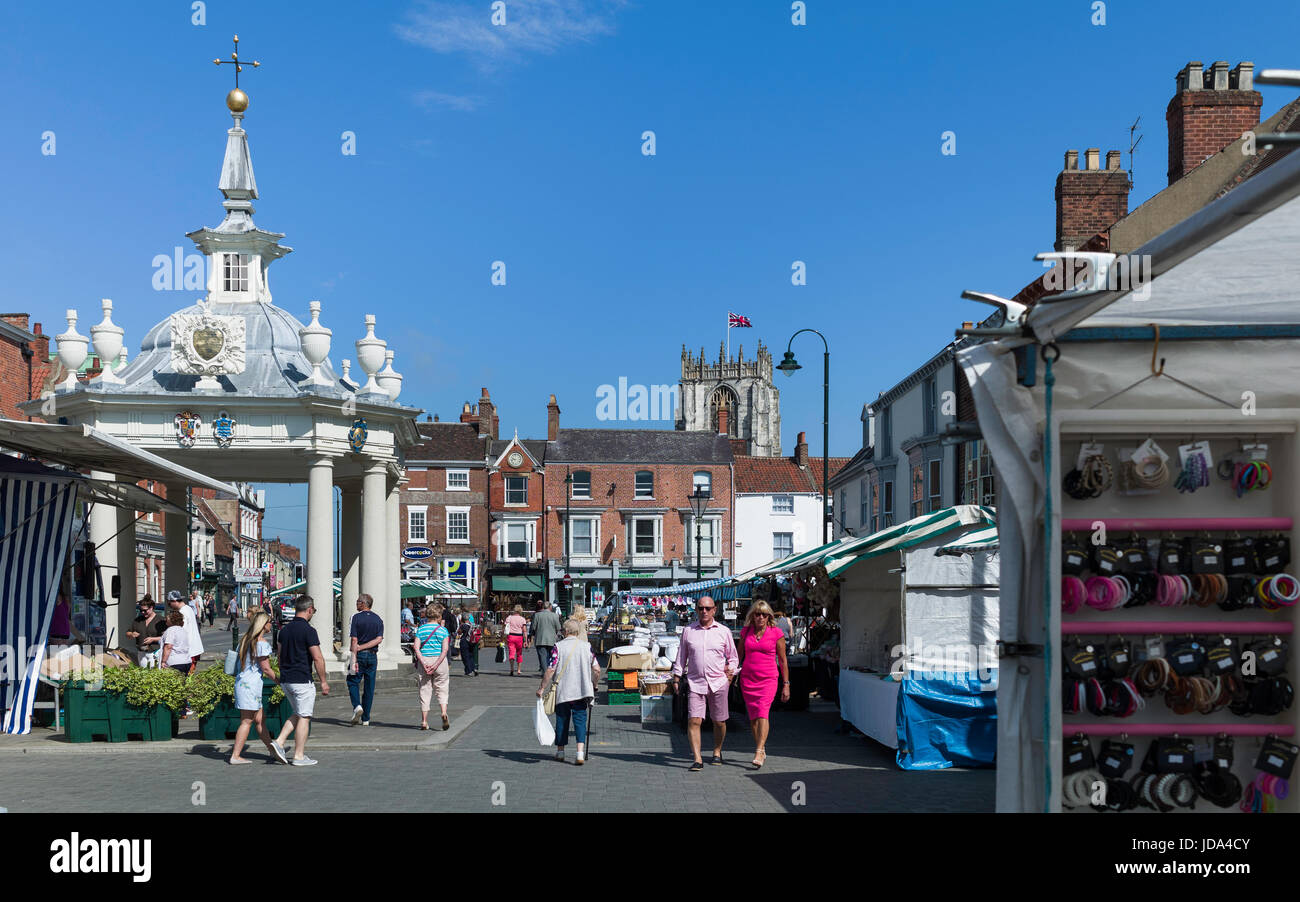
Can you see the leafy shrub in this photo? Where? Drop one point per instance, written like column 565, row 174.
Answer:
column 207, row 687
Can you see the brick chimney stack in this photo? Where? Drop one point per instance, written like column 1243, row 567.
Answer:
column 801, row 450
column 469, row 416
column 1209, row 110
column 723, row 415
column 552, row 420
column 487, row 415
column 1091, row 199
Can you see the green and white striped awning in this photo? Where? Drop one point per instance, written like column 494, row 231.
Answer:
column 977, row 540
column 411, row 588
column 909, row 534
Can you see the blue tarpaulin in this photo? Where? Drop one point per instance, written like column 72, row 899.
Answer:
column 945, row 720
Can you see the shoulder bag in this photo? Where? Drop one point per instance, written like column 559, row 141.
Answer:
column 548, row 697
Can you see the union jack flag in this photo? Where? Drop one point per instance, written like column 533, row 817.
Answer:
column 735, row 320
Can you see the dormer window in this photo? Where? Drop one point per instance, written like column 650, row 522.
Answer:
column 234, row 272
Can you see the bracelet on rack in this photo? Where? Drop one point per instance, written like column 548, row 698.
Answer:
column 1255, row 474
column 1279, row 591
column 1152, row 473
column 1194, row 475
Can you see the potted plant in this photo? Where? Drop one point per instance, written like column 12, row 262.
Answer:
column 212, row 696
column 91, row 709
column 153, row 696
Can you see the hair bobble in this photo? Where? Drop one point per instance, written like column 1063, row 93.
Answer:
column 1103, row 593
column 1073, row 594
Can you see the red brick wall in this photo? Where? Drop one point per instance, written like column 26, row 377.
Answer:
column 672, row 488
column 20, row 382
column 536, row 500
column 1202, row 123
column 1088, row 202
column 429, row 489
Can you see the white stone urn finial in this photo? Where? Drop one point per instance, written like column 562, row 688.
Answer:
column 388, row 378
column 107, row 338
column 314, row 340
column 73, row 349
column 370, row 356
column 347, row 372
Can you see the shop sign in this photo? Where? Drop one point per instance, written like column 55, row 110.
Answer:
column 417, row 551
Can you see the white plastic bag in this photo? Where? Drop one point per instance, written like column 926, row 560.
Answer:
column 542, row 724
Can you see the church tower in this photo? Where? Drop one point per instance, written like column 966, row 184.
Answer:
column 733, row 396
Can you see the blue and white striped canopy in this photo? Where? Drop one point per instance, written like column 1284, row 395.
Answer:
column 36, row 516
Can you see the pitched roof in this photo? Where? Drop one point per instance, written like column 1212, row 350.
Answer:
column 536, row 447
column 448, row 441
column 639, row 446
column 1209, row 181
column 775, row 475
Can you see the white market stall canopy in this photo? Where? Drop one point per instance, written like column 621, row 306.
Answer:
column 88, row 448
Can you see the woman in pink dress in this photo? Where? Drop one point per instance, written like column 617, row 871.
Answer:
column 762, row 661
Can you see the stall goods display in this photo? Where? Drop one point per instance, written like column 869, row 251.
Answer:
column 1149, row 469
column 1231, row 573
column 1176, row 773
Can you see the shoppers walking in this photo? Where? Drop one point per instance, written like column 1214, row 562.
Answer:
column 707, row 656
column 672, row 620
column 147, row 631
column 431, row 668
column 762, row 661
column 299, row 652
column 365, row 635
column 254, row 663
column 232, row 611
column 176, row 602
column 576, row 673
column 471, row 634
column 516, row 626
column 176, row 643
column 546, row 632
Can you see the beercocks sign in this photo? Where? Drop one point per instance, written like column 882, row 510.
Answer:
column 417, row 551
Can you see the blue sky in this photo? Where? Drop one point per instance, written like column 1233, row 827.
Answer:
column 775, row 143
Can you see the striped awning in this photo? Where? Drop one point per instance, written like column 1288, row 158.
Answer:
column 909, row 534
column 411, row 588
column 976, row 540
column 36, row 514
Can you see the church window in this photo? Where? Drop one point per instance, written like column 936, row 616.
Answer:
column 234, row 272
column 724, row 399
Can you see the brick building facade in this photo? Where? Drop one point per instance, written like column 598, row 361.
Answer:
column 24, row 363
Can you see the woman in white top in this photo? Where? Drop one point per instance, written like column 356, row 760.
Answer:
column 176, row 643
column 576, row 673
column 254, row 663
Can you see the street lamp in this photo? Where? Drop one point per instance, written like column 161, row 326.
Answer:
column 568, row 493
column 699, row 503
column 788, row 366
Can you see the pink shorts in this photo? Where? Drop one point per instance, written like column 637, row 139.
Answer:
column 716, row 703
column 515, row 645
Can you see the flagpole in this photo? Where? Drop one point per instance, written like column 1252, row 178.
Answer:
column 728, row 334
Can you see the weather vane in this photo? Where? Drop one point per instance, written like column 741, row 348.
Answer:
column 237, row 100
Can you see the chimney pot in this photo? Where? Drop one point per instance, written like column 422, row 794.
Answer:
column 1242, row 77
column 1112, row 159
column 1093, row 157
column 1218, row 76
column 37, row 329
column 967, row 325
column 1071, row 160
column 1191, row 78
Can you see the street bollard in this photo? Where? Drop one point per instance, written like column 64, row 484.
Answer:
column 234, row 635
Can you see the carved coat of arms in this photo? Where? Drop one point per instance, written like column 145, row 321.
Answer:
column 223, row 429
column 207, row 345
column 357, row 435
column 187, row 428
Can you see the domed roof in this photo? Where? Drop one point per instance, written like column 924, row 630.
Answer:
column 274, row 365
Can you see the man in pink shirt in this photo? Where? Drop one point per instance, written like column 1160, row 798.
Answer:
column 707, row 655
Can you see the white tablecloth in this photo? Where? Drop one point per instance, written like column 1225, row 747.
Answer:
column 871, row 705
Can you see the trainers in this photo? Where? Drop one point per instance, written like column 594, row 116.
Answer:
column 365, row 723
column 356, row 715
column 279, row 752
column 304, row 761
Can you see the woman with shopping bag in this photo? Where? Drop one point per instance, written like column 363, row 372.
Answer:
column 576, row 673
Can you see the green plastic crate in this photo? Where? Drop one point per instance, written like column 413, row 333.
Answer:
column 631, row 697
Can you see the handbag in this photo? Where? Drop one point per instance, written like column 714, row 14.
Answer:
column 549, row 696
column 232, row 662
column 501, row 652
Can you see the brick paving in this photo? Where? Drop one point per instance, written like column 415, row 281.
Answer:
column 490, row 761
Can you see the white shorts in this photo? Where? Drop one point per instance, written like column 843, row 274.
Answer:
column 302, row 697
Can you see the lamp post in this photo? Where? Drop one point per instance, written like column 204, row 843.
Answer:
column 568, row 493
column 788, row 366
column 699, row 503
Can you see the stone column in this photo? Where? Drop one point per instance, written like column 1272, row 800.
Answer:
column 103, row 524
column 176, row 545
column 320, row 550
column 350, row 544
column 391, row 611
column 374, row 542
column 128, row 592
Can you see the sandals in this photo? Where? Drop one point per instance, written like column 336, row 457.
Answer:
column 717, row 759
column 697, row 766
column 446, row 724
column 759, row 762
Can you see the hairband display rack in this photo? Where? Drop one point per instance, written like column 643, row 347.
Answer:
column 1157, row 508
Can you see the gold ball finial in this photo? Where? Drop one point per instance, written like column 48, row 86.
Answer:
column 237, row 101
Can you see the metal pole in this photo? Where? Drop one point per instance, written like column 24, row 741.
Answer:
column 699, row 571
column 826, row 450
column 568, row 494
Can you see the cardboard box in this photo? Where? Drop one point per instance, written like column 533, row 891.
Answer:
column 637, row 661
